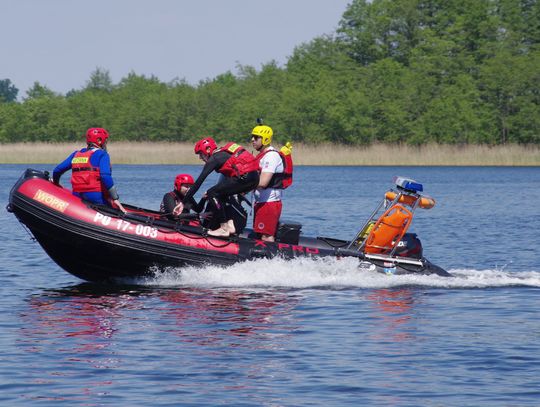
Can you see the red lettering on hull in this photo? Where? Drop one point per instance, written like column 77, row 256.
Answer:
column 301, row 249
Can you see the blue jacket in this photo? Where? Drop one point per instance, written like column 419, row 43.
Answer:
column 99, row 159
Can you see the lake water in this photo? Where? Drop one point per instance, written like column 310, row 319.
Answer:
column 297, row 333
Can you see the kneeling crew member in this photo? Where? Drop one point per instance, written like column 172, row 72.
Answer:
column 240, row 174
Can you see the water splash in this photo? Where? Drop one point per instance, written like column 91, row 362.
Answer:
column 328, row 273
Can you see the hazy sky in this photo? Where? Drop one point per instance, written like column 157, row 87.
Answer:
column 60, row 42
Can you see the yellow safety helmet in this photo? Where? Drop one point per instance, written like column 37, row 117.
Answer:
column 264, row 132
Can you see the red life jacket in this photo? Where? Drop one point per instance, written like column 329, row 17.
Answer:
column 280, row 180
column 239, row 163
column 84, row 176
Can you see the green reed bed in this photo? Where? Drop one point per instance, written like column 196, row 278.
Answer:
column 323, row 154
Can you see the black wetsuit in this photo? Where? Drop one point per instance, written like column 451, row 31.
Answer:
column 226, row 187
column 233, row 209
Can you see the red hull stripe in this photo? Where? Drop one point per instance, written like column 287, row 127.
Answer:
column 70, row 206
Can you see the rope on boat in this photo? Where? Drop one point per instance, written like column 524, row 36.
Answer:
column 32, row 238
column 150, row 221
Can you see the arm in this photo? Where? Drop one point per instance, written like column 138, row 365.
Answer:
column 214, row 163
column 269, row 164
column 207, row 169
column 61, row 168
column 104, row 163
column 264, row 179
column 197, row 207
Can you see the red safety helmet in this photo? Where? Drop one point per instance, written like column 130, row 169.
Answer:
column 97, row 136
column 183, row 179
column 205, row 146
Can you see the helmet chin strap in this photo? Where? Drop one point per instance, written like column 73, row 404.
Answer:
column 103, row 147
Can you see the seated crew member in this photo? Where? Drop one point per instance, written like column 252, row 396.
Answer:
column 170, row 205
column 268, row 194
column 240, row 174
column 91, row 177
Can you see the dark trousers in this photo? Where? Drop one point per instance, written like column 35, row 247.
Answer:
column 231, row 186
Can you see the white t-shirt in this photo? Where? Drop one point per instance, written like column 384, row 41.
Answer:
column 271, row 162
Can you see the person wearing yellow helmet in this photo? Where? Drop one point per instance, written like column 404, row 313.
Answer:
column 264, row 132
column 268, row 206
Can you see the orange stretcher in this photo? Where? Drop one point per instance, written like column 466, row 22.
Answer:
column 382, row 233
column 389, row 229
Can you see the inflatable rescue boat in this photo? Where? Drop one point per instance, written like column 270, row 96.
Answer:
column 100, row 243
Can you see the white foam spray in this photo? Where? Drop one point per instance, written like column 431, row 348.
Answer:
column 329, row 273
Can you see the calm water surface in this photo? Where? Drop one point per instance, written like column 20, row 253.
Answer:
column 292, row 333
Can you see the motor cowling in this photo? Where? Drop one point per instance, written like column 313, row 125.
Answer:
column 409, row 246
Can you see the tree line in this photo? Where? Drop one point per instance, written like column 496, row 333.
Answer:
column 394, row 71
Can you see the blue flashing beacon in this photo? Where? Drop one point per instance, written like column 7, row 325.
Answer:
column 408, row 184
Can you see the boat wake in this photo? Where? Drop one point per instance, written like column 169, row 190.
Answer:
column 328, row 273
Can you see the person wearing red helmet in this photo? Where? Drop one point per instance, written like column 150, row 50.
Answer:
column 171, row 203
column 240, row 173
column 91, row 177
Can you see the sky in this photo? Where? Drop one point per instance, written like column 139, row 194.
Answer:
column 59, row 43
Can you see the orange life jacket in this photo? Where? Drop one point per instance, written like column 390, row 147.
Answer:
column 84, row 176
column 239, row 163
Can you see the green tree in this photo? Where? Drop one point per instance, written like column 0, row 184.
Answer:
column 509, row 84
column 38, row 91
column 395, row 71
column 140, row 106
column 8, row 91
column 100, row 79
column 11, row 117
column 381, row 29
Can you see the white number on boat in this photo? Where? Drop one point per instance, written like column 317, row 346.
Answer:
column 122, row 224
column 146, row 231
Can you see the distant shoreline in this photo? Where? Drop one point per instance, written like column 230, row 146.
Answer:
column 123, row 152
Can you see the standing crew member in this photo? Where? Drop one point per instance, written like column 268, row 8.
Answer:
column 91, row 177
column 240, row 174
column 269, row 191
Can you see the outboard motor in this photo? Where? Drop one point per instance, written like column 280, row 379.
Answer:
column 31, row 173
column 409, row 246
